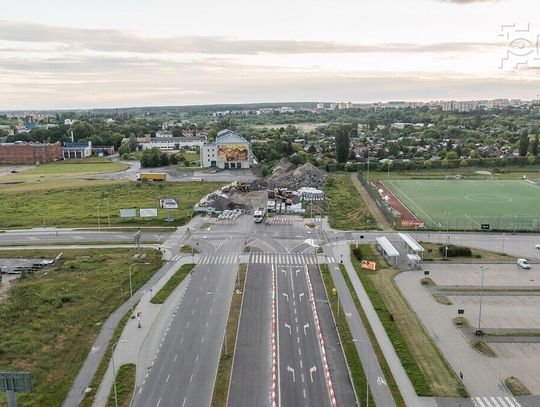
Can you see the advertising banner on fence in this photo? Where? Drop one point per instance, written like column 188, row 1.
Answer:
column 368, row 265
column 232, row 152
column 128, row 213
column 168, row 203
column 148, row 212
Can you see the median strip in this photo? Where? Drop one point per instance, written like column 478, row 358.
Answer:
column 172, row 283
column 223, row 377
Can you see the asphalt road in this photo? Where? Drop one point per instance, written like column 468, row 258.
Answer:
column 184, row 369
column 301, row 379
column 52, row 235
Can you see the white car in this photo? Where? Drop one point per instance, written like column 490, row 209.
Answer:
column 524, row 264
column 537, row 247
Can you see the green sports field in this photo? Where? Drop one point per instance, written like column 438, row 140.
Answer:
column 466, row 204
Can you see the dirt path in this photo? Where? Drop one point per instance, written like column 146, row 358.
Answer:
column 370, row 203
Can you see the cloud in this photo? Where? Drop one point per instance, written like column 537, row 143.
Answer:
column 471, row 1
column 120, row 41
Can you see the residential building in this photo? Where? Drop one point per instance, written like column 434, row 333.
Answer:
column 230, row 151
column 29, row 153
column 172, row 144
column 77, row 149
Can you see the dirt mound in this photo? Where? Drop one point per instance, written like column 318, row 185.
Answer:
column 287, row 175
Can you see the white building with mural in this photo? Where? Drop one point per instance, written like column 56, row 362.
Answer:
column 229, row 151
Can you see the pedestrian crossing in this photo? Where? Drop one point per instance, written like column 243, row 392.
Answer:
column 289, row 258
column 501, row 401
column 265, row 258
column 285, row 220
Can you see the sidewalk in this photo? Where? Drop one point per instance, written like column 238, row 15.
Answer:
column 141, row 344
column 400, row 376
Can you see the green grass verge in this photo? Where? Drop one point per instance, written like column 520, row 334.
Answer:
column 125, row 382
column 442, row 299
column 349, row 349
column 346, row 209
column 426, row 367
column 394, row 389
column 172, row 283
column 514, row 385
column 77, row 207
column 484, row 348
column 188, row 249
column 70, row 168
column 49, row 320
column 221, row 387
column 477, row 255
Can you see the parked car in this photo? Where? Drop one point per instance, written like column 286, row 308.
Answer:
column 524, row 264
column 537, row 247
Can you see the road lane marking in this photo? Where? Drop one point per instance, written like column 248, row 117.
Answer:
column 175, row 356
column 191, row 377
column 167, row 380
column 181, row 340
column 159, row 401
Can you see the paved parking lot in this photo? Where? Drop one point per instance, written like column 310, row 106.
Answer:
column 482, row 375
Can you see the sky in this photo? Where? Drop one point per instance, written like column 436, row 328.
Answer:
column 119, row 53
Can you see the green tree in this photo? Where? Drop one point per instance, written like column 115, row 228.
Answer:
column 523, row 142
column 427, row 164
column 463, row 163
column 534, row 146
column 342, row 144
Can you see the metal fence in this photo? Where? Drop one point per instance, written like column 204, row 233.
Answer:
column 390, row 214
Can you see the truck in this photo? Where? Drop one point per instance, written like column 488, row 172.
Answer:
column 151, row 176
column 259, row 214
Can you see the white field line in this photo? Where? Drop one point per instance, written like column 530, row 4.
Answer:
column 472, row 220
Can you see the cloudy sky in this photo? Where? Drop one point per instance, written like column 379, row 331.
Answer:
column 78, row 54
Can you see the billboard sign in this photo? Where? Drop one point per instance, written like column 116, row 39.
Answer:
column 148, row 212
column 232, row 152
column 168, row 203
column 128, row 213
column 16, row 381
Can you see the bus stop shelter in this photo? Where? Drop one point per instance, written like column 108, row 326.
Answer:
column 413, row 261
column 390, row 253
column 412, row 245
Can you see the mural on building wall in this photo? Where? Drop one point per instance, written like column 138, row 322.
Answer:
column 232, row 152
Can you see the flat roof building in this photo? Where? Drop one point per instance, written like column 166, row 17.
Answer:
column 29, row 153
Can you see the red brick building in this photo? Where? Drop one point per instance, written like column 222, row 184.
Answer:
column 29, row 153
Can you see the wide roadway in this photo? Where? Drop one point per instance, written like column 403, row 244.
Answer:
column 184, row 370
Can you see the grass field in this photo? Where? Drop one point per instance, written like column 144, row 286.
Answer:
column 427, row 369
column 466, row 204
column 346, row 208
column 49, row 320
column 78, row 207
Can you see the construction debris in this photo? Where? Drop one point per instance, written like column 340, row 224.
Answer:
column 287, row 175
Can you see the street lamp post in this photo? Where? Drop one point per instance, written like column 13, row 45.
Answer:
column 114, row 371
column 98, row 220
column 108, row 214
column 224, row 296
column 131, row 287
column 481, row 298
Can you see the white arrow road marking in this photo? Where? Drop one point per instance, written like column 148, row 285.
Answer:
column 288, row 326
column 286, row 296
column 300, row 296
column 306, row 326
column 381, row 381
column 290, row 369
column 311, row 371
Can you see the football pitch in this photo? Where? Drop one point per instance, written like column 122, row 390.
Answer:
column 467, row 204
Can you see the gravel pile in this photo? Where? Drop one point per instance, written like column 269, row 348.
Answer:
column 287, row 175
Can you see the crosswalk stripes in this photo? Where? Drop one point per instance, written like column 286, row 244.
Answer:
column 294, row 259
column 501, row 401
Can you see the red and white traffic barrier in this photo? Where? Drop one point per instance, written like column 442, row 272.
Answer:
column 274, row 349
column 321, row 341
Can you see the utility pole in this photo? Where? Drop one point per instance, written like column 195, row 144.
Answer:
column 479, row 331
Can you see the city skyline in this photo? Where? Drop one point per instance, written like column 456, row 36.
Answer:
column 135, row 54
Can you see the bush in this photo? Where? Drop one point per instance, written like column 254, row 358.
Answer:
column 357, row 253
column 455, row 251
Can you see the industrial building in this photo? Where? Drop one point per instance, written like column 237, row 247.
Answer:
column 29, row 153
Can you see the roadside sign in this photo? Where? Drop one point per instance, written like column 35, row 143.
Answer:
column 461, row 311
column 426, row 272
column 148, row 212
column 128, row 213
column 16, row 381
column 169, row 203
column 485, row 226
